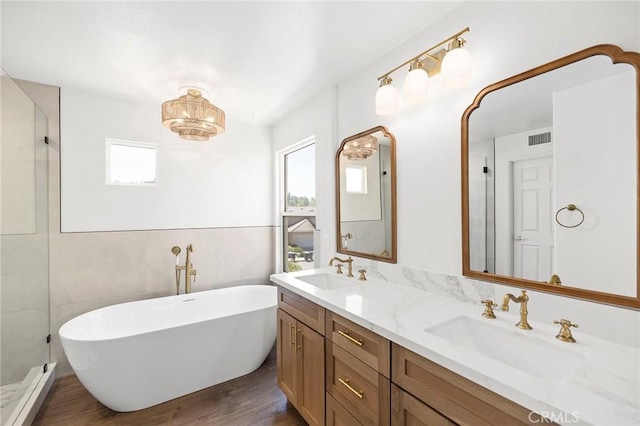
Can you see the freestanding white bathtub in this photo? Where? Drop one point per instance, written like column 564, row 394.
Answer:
column 138, row 354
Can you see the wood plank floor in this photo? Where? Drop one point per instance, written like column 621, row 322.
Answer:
column 254, row 399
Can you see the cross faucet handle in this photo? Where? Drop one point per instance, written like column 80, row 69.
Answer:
column 565, row 331
column 339, row 268
column 363, row 276
column 488, row 309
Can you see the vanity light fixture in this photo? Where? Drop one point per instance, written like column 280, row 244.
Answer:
column 193, row 117
column 361, row 148
column 452, row 61
column 386, row 97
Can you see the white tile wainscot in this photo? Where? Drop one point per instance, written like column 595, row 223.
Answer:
column 605, row 390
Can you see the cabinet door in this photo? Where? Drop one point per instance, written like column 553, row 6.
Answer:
column 287, row 352
column 409, row 411
column 337, row 415
column 310, row 389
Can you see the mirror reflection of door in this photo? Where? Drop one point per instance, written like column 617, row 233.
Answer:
column 532, row 219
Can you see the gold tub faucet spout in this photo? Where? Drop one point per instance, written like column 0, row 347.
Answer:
column 348, row 261
column 188, row 269
column 522, row 300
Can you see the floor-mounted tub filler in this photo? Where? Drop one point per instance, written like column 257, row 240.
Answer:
column 135, row 355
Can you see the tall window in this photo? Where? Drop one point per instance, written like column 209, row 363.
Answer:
column 298, row 206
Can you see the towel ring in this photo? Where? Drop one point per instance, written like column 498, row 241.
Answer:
column 570, row 207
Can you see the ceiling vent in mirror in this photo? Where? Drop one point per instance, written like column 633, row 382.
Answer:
column 540, row 138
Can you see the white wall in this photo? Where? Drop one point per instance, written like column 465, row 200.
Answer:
column 603, row 248
column 224, row 182
column 506, row 38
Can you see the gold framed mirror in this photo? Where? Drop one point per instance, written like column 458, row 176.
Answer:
column 550, row 178
column 366, row 195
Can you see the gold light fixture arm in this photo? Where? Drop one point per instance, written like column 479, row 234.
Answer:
column 425, row 53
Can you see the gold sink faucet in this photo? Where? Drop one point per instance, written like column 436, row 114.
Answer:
column 188, row 268
column 522, row 300
column 348, row 261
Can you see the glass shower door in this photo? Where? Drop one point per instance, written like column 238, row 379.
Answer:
column 24, row 247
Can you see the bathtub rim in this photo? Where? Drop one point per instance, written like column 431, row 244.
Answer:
column 65, row 336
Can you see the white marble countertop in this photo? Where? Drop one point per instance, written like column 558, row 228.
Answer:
column 603, row 390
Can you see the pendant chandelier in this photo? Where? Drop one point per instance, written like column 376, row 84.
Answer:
column 361, row 148
column 193, row 117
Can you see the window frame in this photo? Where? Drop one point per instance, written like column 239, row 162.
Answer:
column 362, row 172
column 281, row 197
column 109, row 142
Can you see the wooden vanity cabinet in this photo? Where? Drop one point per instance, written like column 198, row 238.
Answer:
column 300, row 353
column 357, row 368
column 337, row 415
column 453, row 396
column 408, row 410
column 365, row 345
column 336, row 372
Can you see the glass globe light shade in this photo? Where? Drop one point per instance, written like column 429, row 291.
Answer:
column 387, row 102
column 416, row 86
column 456, row 68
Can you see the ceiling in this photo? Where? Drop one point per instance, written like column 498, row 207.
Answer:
column 256, row 60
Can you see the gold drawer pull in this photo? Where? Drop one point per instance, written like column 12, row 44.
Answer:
column 346, row 383
column 351, row 339
column 292, row 329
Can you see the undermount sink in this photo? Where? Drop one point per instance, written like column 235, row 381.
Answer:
column 326, row 281
column 529, row 354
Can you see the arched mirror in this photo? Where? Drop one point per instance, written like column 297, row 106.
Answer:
column 550, row 178
column 366, row 195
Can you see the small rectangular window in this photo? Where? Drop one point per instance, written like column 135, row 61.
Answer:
column 131, row 163
column 356, row 177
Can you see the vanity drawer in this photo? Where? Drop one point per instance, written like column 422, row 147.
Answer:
column 407, row 410
column 302, row 309
column 369, row 347
column 357, row 387
column 457, row 398
column 337, row 415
